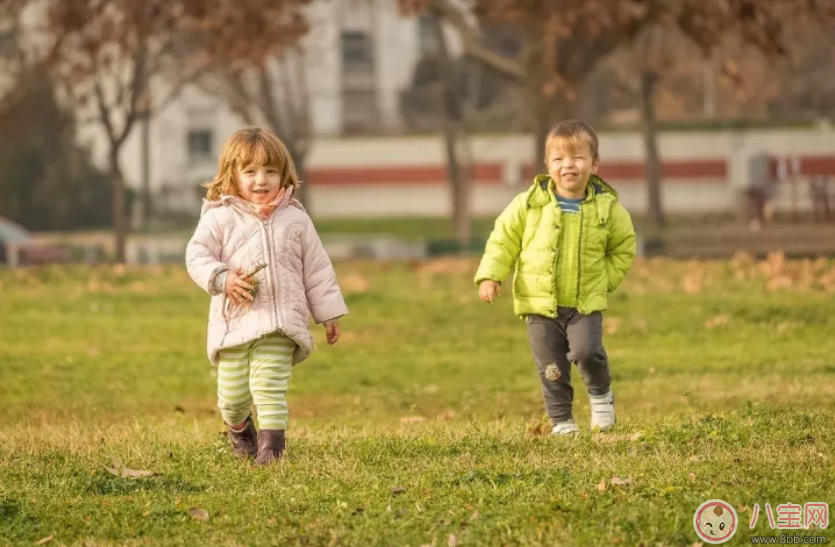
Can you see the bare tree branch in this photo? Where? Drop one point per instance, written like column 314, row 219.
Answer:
column 513, row 69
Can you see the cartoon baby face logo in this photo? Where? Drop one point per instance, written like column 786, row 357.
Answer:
column 715, row 521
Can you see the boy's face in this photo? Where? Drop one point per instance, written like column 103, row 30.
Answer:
column 259, row 183
column 570, row 165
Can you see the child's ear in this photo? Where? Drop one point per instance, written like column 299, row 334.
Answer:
column 595, row 165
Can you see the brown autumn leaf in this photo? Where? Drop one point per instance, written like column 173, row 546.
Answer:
column 537, row 428
column 717, row 321
column 397, row 490
column 45, row 540
column 354, row 283
column 778, row 283
column 617, row 481
column 446, row 415
column 120, row 470
column 198, row 513
column 601, row 486
column 452, row 541
column 693, row 281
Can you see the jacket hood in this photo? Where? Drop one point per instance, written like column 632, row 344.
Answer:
column 601, row 192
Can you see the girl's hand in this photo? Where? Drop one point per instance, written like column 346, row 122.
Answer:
column 333, row 331
column 237, row 287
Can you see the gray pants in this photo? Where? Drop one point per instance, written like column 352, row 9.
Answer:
column 556, row 343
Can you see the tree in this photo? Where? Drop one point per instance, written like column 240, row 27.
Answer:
column 561, row 42
column 558, row 44
column 47, row 181
column 110, row 55
column 454, row 124
column 273, row 93
column 262, row 78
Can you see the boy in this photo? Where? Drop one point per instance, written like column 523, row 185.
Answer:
column 572, row 243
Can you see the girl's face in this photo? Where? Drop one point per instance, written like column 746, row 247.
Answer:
column 259, row 183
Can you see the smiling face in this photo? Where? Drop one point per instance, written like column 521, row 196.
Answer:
column 259, row 183
column 715, row 521
column 571, row 162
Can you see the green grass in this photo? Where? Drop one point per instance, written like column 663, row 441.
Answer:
column 424, row 425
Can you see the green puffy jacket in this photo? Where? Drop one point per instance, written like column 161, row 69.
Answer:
column 527, row 235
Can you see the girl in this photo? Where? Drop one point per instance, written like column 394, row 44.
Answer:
column 258, row 321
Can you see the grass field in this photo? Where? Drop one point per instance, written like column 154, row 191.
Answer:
column 424, row 425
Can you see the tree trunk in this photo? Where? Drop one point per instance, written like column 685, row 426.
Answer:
column 649, row 127
column 120, row 221
column 454, row 142
column 146, row 171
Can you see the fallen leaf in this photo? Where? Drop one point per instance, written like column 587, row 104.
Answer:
column 537, row 428
column 617, row 481
column 693, row 282
column 601, row 486
column 198, row 513
column 474, row 516
column 452, row 541
column 611, row 325
column 636, row 436
column 120, row 470
column 47, row 539
column 692, row 477
column 717, row 321
column 446, row 415
column 354, row 283
column 398, row 490
column 411, row 419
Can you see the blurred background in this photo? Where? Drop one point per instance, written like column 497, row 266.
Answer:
column 413, row 123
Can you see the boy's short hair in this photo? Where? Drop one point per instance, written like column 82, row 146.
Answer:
column 574, row 131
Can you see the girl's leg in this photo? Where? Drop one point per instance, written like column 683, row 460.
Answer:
column 233, row 395
column 271, row 366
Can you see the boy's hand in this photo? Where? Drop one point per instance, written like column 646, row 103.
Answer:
column 237, row 287
column 489, row 290
column 333, row 332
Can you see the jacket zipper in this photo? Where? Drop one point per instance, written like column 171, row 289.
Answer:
column 266, row 226
column 557, row 271
column 579, row 255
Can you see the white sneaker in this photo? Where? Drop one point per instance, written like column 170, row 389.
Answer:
column 565, row 428
column 603, row 411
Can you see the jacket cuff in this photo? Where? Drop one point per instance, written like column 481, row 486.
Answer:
column 217, row 285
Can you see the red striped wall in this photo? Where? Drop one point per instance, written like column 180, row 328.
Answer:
column 711, row 170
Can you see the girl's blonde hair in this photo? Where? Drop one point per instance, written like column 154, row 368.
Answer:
column 247, row 146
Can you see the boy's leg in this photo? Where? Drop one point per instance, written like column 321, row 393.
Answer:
column 271, row 366
column 235, row 401
column 550, row 348
column 585, row 342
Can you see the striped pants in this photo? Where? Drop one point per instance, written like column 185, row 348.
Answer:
column 256, row 372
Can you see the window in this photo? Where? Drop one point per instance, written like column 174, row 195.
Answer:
column 8, row 42
column 427, row 38
column 356, row 48
column 200, row 144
